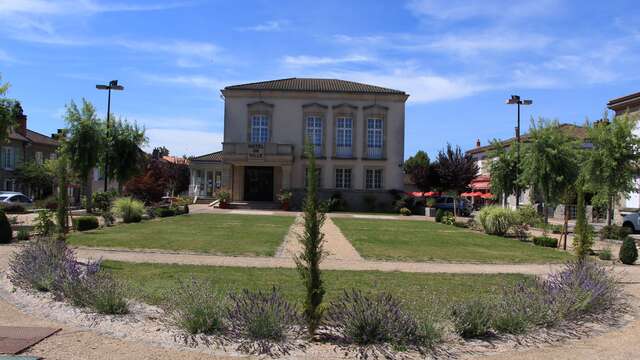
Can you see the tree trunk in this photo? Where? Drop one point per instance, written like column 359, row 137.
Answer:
column 88, row 192
column 565, row 230
column 610, row 211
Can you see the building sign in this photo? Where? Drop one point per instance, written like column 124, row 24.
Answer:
column 256, row 151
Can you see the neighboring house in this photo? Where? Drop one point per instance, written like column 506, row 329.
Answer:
column 24, row 146
column 482, row 154
column 356, row 131
column 628, row 104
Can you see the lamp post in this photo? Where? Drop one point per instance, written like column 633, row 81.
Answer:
column 113, row 85
column 515, row 100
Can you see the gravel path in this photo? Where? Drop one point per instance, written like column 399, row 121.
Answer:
column 336, row 245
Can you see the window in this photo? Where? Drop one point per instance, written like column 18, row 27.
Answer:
column 343, row 178
column 374, row 179
column 374, row 138
column 39, row 157
column 344, row 131
column 314, row 133
column 8, row 158
column 218, row 180
column 318, row 177
column 52, row 156
column 9, row 185
column 259, row 129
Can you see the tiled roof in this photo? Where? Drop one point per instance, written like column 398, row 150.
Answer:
column 624, row 101
column 176, row 160
column 38, row 138
column 316, row 85
column 573, row 131
column 215, row 156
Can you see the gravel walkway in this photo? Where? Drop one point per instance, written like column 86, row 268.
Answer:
column 336, row 245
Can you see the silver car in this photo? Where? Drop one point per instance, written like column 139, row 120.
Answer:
column 15, row 198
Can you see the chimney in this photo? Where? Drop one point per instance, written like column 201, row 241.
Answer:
column 478, row 143
column 21, row 127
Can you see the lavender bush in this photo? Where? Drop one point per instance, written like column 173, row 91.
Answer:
column 39, row 265
column 473, row 318
column 106, row 294
column 264, row 322
column 197, row 308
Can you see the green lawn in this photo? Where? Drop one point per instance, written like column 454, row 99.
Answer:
column 227, row 234
column 429, row 241
column 152, row 283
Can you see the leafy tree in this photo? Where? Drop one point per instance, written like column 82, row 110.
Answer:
column 84, row 143
column 550, row 162
column 308, row 262
column 7, row 113
column 37, row 177
column 122, row 148
column 455, row 170
column 159, row 152
column 503, row 169
column 583, row 238
column 612, row 164
column 422, row 172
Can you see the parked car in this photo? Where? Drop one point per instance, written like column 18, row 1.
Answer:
column 631, row 220
column 15, row 198
column 445, row 203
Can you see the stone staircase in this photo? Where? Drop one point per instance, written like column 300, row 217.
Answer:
column 254, row 205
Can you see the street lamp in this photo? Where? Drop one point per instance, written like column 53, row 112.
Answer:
column 113, row 85
column 515, row 100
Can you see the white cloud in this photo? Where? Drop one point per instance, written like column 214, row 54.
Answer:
column 456, row 10
column 422, row 87
column 186, row 49
column 61, row 7
column 495, row 40
column 268, row 26
column 185, row 142
column 197, row 81
column 304, row 60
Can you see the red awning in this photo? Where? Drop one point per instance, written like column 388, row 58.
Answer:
column 431, row 193
column 416, row 194
column 481, row 185
column 487, row 196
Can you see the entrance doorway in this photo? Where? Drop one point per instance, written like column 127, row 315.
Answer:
column 258, row 183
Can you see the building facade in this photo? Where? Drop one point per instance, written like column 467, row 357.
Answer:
column 628, row 104
column 23, row 146
column 355, row 130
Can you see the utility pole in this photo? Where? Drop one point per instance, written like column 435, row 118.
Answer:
column 515, row 99
column 113, row 85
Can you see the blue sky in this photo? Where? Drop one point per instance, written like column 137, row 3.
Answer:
column 459, row 60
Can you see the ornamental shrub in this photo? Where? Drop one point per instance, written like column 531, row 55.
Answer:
column 472, row 318
column 263, row 322
column 614, row 232
column 628, row 251
column 545, row 241
column 439, row 215
column 13, row 208
column 605, row 254
column 84, row 223
column 528, row 215
column 130, row 210
column 49, row 203
column 497, row 220
column 6, row 234
column 405, row 212
column 369, row 319
column 165, row 212
column 197, row 308
column 23, row 234
column 44, row 225
column 39, row 264
column 448, row 218
column 106, row 294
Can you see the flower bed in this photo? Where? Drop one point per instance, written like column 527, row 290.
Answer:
column 581, row 298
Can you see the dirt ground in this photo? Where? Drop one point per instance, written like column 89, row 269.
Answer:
column 73, row 343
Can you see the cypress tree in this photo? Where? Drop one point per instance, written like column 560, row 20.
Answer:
column 628, row 251
column 62, row 212
column 308, row 262
column 5, row 228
